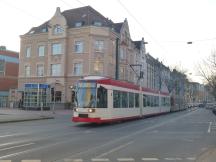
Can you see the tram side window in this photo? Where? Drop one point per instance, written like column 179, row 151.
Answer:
column 124, row 100
column 101, row 97
column 148, row 101
column 144, row 100
column 116, row 99
column 131, row 100
column 157, row 101
column 137, row 100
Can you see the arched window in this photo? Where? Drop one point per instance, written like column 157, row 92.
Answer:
column 57, row 29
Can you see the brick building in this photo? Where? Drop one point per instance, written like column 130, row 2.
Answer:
column 9, row 65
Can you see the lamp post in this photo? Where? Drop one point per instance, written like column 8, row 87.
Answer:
column 53, row 107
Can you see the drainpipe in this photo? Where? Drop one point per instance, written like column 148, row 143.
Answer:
column 117, row 60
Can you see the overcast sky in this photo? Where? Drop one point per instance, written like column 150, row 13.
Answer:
column 167, row 25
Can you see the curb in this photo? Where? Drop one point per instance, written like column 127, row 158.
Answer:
column 27, row 119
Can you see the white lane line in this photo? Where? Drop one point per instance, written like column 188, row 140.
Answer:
column 125, row 159
column 73, row 160
column 100, row 160
column 31, row 161
column 173, row 159
column 5, row 160
column 10, row 135
column 150, row 159
column 9, row 143
column 115, row 149
column 8, row 148
column 191, row 158
column 12, row 143
column 209, row 128
column 14, row 154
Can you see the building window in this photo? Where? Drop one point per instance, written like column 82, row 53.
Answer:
column 28, row 51
column 57, row 29
column 27, row 70
column 122, row 53
column 2, row 67
column 99, row 45
column 78, row 69
column 78, row 24
column 79, row 46
column 55, row 69
column 97, row 23
column 98, row 67
column 44, row 30
column 41, row 50
column 56, row 49
column 40, row 70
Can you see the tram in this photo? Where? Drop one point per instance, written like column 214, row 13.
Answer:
column 105, row 100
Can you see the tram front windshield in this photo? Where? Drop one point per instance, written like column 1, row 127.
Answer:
column 86, row 95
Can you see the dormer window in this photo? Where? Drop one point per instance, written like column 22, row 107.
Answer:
column 32, row 32
column 97, row 23
column 44, row 30
column 78, row 24
column 57, row 29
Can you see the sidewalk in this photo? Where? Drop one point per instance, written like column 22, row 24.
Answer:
column 16, row 115
column 208, row 156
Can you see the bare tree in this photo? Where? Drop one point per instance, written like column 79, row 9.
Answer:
column 207, row 71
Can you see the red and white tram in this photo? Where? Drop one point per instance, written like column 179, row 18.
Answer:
column 103, row 100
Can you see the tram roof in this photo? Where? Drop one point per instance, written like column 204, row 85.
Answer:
column 120, row 83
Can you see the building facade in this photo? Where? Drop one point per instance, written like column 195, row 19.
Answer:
column 9, row 65
column 73, row 44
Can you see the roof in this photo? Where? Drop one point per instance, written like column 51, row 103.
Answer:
column 120, row 83
column 86, row 15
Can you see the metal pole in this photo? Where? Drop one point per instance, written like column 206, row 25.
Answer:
column 53, row 110
column 117, row 60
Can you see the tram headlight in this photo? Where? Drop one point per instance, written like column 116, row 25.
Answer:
column 91, row 110
column 76, row 109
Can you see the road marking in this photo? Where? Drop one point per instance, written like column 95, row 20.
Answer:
column 125, row 159
column 8, row 148
column 10, row 135
column 115, row 149
column 5, row 160
column 191, row 158
column 31, row 161
column 209, row 128
column 14, row 154
column 173, row 159
column 150, row 159
column 73, row 160
column 9, row 143
column 99, row 160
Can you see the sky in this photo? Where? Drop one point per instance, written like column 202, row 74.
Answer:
column 167, row 25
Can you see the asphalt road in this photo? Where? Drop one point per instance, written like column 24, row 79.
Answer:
column 183, row 136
